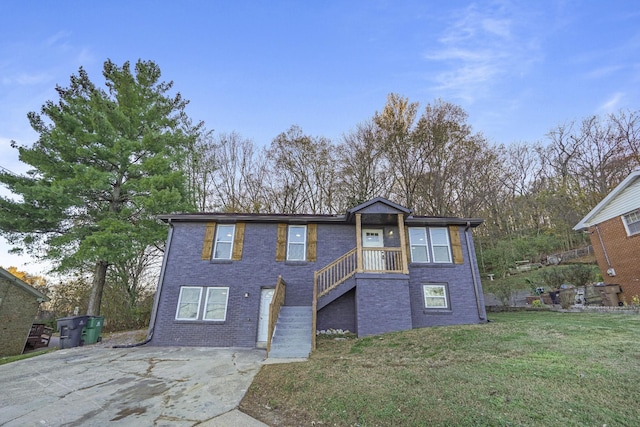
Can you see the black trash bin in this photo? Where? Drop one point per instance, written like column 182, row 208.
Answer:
column 71, row 330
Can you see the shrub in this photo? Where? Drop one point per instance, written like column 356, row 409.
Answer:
column 502, row 290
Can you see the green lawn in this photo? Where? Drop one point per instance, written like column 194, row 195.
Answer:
column 524, row 368
column 9, row 359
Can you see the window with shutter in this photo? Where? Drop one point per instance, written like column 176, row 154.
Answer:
column 281, row 243
column 223, row 241
column 238, row 242
column 297, row 243
column 456, row 244
column 312, row 242
column 207, row 245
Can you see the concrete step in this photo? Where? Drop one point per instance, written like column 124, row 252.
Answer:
column 292, row 336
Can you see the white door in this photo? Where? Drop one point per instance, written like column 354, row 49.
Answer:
column 266, row 295
column 373, row 259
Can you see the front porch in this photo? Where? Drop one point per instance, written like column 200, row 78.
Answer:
column 377, row 269
column 364, row 258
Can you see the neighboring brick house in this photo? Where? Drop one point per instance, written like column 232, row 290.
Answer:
column 614, row 229
column 375, row 269
column 19, row 304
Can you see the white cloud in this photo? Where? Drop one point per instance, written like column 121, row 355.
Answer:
column 26, row 79
column 482, row 46
column 58, row 39
column 605, row 71
column 612, row 104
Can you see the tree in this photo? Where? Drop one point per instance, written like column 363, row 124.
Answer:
column 303, row 173
column 237, row 180
column 105, row 163
column 363, row 169
column 403, row 144
column 199, row 168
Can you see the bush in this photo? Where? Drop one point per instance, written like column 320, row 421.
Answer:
column 577, row 275
column 502, row 290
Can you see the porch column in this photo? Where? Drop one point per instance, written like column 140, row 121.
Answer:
column 403, row 244
column 360, row 267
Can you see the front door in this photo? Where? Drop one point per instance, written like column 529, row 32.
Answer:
column 373, row 259
column 266, row 295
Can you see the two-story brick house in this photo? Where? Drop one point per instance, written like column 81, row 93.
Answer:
column 375, row 269
column 614, row 229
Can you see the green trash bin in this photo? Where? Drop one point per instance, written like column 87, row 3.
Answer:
column 91, row 332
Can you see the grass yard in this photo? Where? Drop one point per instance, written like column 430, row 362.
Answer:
column 9, row 359
column 524, row 369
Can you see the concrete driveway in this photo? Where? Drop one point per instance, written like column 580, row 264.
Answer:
column 140, row 386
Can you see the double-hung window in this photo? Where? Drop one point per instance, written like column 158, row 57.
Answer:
column 224, row 241
column 440, row 244
column 418, row 244
column 215, row 306
column 215, row 303
column 632, row 222
column 189, row 303
column 435, row 296
column 430, row 244
column 297, row 243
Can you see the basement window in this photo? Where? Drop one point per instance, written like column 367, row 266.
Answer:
column 435, row 296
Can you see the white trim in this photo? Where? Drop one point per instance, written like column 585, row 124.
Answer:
column 585, row 222
column 303, row 243
column 206, row 303
column 444, row 296
column 217, row 240
column 626, row 222
column 378, row 243
column 447, row 245
column 266, row 297
column 197, row 307
column 425, row 244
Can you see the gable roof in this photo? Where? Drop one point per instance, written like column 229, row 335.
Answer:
column 23, row 285
column 378, row 205
column 611, row 207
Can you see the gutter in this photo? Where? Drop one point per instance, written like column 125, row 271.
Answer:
column 156, row 301
column 473, row 273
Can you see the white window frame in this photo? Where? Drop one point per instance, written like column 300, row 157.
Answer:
column 425, row 244
column 444, row 297
column 206, row 303
column 291, row 228
column 182, row 288
column 431, row 246
column 222, row 238
column 439, row 245
column 631, row 222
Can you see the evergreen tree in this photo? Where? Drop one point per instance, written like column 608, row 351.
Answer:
column 105, row 164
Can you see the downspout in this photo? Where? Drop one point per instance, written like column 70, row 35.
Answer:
column 156, row 300
column 473, row 273
column 606, row 255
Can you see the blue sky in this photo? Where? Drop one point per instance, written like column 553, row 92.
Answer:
column 518, row 68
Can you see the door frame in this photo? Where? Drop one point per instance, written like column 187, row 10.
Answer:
column 373, row 260
column 263, row 316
